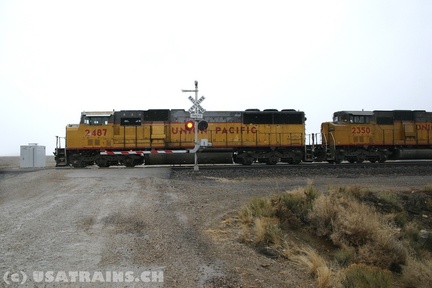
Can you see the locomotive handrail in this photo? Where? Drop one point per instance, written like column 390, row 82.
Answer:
column 323, row 135
column 334, row 144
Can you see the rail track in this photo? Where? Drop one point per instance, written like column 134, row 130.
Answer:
column 389, row 169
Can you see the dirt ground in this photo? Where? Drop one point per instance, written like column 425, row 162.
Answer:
column 144, row 219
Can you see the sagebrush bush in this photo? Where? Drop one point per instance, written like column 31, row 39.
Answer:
column 344, row 256
column 293, row 207
column 417, row 274
column 322, row 215
column 350, row 223
column 267, row 231
column 363, row 276
column 257, row 207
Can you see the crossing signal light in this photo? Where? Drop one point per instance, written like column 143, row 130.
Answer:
column 189, row 125
column 202, row 125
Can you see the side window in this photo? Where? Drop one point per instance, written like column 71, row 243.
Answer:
column 359, row 119
column 96, row 121
column 367, row 119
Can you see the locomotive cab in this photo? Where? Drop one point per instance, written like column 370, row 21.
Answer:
column 349, row 131
column 92, row 131
column 348, row 128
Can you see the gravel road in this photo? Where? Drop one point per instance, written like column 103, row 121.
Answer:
column 158, row 220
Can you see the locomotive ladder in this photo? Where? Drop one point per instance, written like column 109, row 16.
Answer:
column 60, row 153
column 310, row 149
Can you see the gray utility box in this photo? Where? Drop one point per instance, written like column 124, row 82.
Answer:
column 32, row 156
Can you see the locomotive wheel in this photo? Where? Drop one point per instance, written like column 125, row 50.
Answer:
column 77, row 163
column 248, row 161
column 382, row 159
column 129, row 162
column 360, row 158
column 272, row 160
column 102, row 163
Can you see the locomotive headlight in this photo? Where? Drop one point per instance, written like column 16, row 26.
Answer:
column 189, row 125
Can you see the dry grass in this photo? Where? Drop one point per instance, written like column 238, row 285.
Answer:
column 316, row 266
column 257, row 207
column 428, row 188
column 267, row 232
column 416, row 274
column 351, row 223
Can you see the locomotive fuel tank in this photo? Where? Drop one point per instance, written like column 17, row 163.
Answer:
column 404, row 154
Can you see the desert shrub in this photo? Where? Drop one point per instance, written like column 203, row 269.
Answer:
column 400, row 219
column 420, row 241
column 428, row 188
column 411, row 232
column 411, row 236
column 323, row 214
column 267, row 231
column 344, row 256
column 344, row 219
column 417, row 274
column 385, row 251
column 257, row 207
column 416, row 202
column 427, row 242
column 355, row 223
column 350, row 223
column 389, row 201
column 311, row 193
column 355, row 191
column 360, row 275
column 293, row 207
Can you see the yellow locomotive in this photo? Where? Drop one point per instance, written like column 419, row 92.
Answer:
column 134, row 137
column 357, row 136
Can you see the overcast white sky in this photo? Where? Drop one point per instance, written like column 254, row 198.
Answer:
column 58, row 58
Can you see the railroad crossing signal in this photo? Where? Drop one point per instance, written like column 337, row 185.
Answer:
column 196, row 112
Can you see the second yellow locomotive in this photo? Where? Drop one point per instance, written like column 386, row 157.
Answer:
column 357, row 136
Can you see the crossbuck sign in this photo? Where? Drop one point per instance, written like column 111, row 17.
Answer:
column 196, row 108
